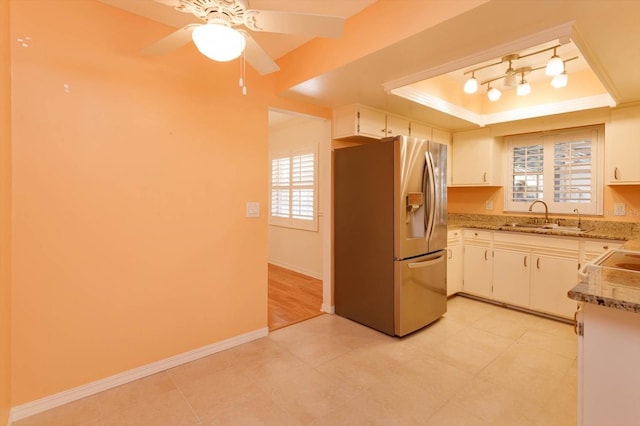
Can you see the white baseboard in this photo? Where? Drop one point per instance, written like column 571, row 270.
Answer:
column 39, row 405
column 294, row 268
column 330, row 309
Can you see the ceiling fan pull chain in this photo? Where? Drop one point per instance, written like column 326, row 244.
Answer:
column 242, row 74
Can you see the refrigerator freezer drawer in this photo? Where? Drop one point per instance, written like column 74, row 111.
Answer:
column 420, row 291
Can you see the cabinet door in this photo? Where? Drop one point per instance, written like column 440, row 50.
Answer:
column 475, row 159
column 623, row 147
column 371, row 123
column 397, row 126
column 552, row 278
column 511, row 270
column 419, row 130
column 454, row 269
column 477, row 268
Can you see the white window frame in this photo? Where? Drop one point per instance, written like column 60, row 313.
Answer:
column 308, row 224
column 548, row 141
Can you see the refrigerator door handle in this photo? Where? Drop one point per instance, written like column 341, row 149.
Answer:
column 430, row 193
column 426, row 263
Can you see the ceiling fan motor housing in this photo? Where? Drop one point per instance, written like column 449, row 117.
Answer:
column 230, row 12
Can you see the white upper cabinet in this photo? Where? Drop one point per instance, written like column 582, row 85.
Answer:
column 476, row 159
column 421, row 131
column 623, row 147
column 397, row 126
column 358, row 121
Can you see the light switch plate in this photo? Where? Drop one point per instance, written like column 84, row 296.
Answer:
column 253, row 209
column 619, row 209
column 488, row 204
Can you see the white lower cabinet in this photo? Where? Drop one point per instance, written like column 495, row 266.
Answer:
column 511, row 270
column 454, row 263
column 608, row 373
column 477, row 270
column 528, row 271
column 552, row 277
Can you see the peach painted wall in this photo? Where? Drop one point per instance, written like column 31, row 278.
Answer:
column 131, row 176
column 5, row 213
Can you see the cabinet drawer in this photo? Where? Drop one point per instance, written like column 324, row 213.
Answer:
column 598, row 247
column 476, row 235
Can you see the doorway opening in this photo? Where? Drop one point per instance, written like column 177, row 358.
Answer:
column 299, row 234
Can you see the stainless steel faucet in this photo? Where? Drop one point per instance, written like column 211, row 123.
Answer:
column 546, row 209
column 579, row 218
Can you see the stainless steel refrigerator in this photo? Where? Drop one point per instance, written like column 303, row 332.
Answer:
column 390, row 224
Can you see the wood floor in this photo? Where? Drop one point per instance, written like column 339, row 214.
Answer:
column 293, row 297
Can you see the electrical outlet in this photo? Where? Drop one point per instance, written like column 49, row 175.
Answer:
column 253, row 209
column 619, row 209
column 488, row 204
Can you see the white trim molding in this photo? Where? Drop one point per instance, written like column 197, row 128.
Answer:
column 579, row 104
column 39, row 405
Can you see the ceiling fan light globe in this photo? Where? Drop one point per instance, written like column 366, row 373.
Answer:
column 218, row 42
column 555, row 66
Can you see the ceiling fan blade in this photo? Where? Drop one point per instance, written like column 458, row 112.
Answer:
column 257, row 57
column 171, row 42
column 294, row 23
column 155, row 10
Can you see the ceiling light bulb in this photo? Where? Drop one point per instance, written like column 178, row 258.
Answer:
column 560, row 80
column 493, row 94
column 510, row 79
column 523, row 88
column 555, row 65
column 218, row 42
column 471, row 86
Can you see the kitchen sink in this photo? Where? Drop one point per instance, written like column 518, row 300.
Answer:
column 523, row 225
column 545, row 227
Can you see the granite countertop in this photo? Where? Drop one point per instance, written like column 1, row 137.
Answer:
column 612, row 288
column 604, row 230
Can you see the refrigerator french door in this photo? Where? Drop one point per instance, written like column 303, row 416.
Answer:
column 390, row 233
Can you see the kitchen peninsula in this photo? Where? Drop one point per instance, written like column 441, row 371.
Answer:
column 608, row 326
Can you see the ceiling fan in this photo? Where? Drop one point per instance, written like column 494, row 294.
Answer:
column 223, row 36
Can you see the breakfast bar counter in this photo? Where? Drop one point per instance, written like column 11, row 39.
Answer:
column 608, row 327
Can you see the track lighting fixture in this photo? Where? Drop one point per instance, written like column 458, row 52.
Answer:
column 559, row 81
column 492, row 93
column 555, row 67
column 524, row 88
column 471, row 86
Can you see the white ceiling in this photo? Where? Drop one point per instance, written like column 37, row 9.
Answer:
column 606, row 32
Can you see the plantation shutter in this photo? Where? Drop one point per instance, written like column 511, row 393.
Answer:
column 572, row 168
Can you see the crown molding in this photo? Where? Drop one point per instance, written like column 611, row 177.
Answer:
column 553, row 108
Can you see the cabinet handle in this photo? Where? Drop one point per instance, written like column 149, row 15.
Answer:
column 525, row 261
column 615, row 173
column 575, row 320
column 538, row 263
column 605, row 247
column 484, row 177
column 485, row 255
column 450, row 254
column 383, row 130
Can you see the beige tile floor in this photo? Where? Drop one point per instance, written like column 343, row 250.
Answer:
column 478, row 365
